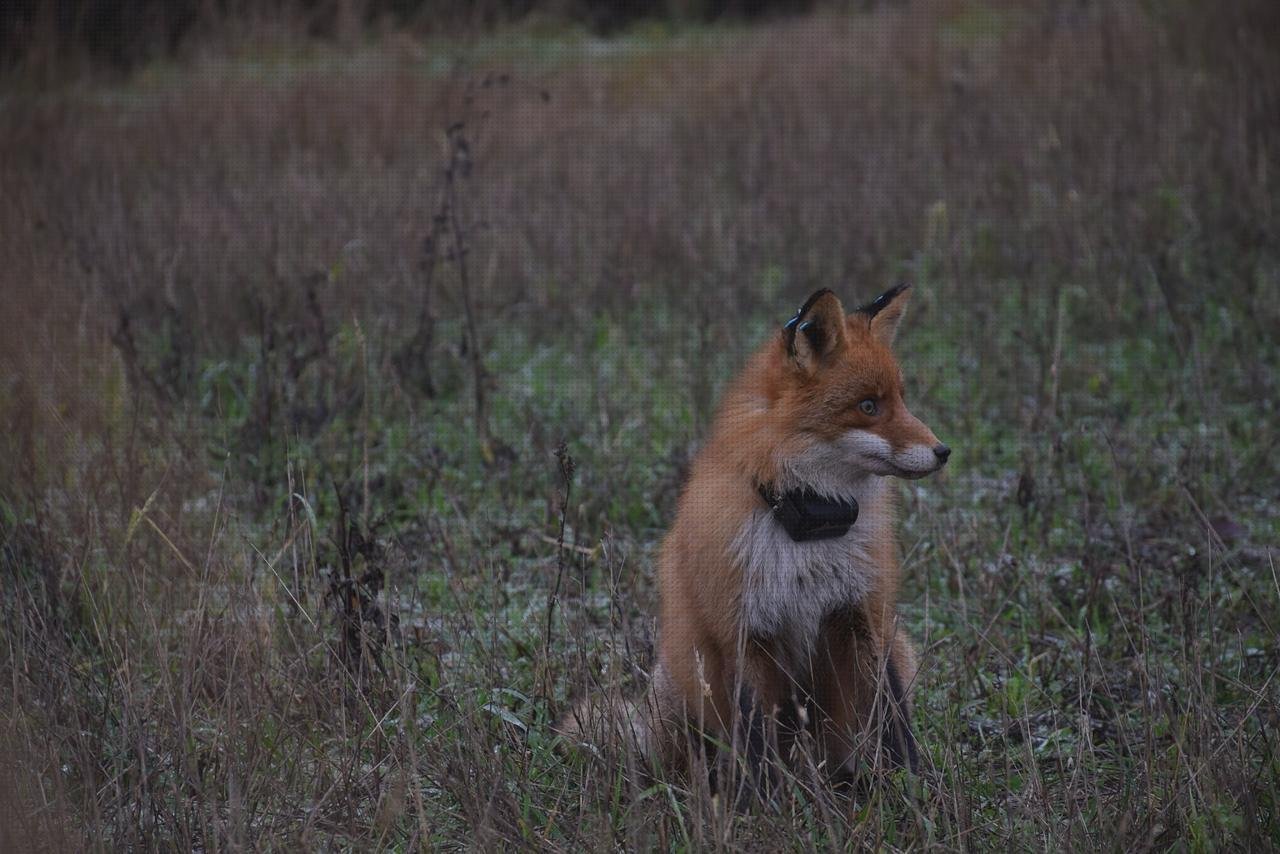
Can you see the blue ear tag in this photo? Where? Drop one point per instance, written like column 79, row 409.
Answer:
column 789, row 328
column 789, row 332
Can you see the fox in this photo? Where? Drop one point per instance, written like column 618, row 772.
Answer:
column 778, row 578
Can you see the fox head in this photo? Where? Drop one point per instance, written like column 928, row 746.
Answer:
column 840, row 384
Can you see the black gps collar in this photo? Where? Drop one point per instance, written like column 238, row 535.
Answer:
column 806, row 515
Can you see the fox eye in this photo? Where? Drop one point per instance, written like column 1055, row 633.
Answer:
column 869, row 406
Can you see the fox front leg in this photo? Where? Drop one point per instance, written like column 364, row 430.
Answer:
column 896, row 738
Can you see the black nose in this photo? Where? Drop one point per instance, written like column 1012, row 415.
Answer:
column 941, row 452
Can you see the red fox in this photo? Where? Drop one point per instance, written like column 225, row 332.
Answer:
column 779, row 577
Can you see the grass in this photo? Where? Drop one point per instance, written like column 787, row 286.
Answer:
column 274, row 574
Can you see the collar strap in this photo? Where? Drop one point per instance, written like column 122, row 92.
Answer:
column 806, row 515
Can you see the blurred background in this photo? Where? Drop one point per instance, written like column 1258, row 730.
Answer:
column 355, row 353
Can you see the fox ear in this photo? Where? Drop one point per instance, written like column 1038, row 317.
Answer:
column 884, row 313
column 816, row 331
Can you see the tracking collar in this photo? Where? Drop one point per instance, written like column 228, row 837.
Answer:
column 806, row 515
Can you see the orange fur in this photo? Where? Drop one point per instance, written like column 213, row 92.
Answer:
column 740, row 603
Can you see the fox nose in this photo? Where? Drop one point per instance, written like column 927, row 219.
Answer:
column 941, row 452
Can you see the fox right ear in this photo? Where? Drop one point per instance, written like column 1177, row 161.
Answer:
column 884, row 313
column 816, row 331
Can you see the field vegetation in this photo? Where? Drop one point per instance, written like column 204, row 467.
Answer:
column 348, row 387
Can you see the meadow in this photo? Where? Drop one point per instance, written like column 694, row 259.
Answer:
column 347, row 390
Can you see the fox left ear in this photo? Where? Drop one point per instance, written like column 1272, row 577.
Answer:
column 884, row 313
column 816, row 331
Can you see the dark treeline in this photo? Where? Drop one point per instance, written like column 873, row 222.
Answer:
column 123, row 33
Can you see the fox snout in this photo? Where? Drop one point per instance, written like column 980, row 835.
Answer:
column 921, row 454
column 920, row 460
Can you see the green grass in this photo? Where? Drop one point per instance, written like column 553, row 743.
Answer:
column 1093, row 654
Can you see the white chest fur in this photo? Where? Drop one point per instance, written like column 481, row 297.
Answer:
column 789, row 587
